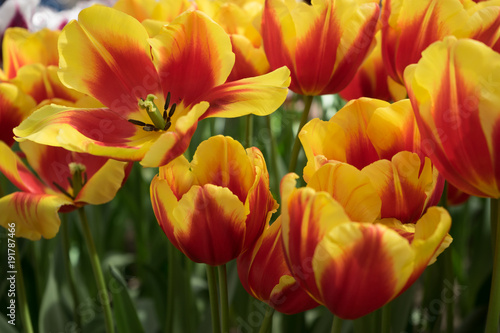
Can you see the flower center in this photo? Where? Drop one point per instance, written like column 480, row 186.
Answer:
column 77, row 180
column 161, row 122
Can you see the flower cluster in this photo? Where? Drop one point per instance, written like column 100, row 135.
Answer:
column 133, row 82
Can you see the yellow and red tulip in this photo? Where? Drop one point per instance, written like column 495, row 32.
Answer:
column 214, row 208
column 34, row 208
column 21, row 47
column 265, row 275
column 409, row 27
column 339, row 252
column 454, row 90
column 322, row 44
column 383, row 141
column 107, row 55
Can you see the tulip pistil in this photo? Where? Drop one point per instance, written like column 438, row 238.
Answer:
column 161, row 122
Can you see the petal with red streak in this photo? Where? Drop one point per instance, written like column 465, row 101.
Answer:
column 34, row 215
column 15, row 106
column 95, row 131
column 210, row 224
column 105, row 54
column 360, row 267
column 189, row 48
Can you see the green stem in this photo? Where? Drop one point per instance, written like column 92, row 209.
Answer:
column 69, row 269
column 249, row 131
column 337, row 325
column 386, row 318
column 172, row 266
column 224, row 301
column 494, row 305
column 96, row 267
column 214, row 304
column 274, row 160
column 21, row 294
column 296, row 145
column 449, row 275
column 268, row 320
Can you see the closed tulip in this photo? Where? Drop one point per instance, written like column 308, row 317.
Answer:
column 454, row 90
column 214, row 208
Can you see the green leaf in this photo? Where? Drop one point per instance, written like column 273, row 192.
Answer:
column 5, row 327
column 124, row 310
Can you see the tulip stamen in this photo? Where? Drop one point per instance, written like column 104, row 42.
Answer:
column 63, row 191
column 161, row 122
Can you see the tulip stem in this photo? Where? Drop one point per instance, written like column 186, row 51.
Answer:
column 494, row 305
column 386, row 318
column 223, row 298
column 69, row 269
column 296, row 145
column 274, row 159
column 249, row 130
column 337, row 324
column 96, row 267
column 172, row 267
column 214, row 303
column 21, row 295
column 268, row 319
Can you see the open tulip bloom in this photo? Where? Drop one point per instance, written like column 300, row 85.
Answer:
column 155, row 90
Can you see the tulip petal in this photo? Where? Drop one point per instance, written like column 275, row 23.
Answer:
column 15, row 106
column 104, row 184
column 222, row 161
column 403, row 184
column 35, row 215
column 189, row 48
column 164, row 202
column 209, row 224
column 249, row 60
column 105, row 54
column 351, row 188
column 306, row 217
column 43, row 84
column 174, row 143
column 359, row 267
column 260, row 95
column 393, row 129
column 15, row 170
column 95, row 131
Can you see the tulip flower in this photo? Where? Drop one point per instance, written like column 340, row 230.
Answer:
column 214, row 208
column 151, row 88
column 339, row 251
column 409, row 27
column 454, row 90
column 383, row 141
column 322, row 44
column 34, row 208
column 264, row 274
column 21, row 47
